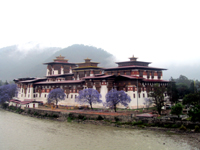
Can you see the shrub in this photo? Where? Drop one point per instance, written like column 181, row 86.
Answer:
column 177, row 109
column 137, row 123
column 197, row 129
column 35, row 113
column 4, row 105
column 141, row 126
column 167, row 125
column 55, row 116
column 100, row 117
column 70, row 117
column 29, row 111
column 183, row 128
column 19, row 110
column 116, row 119
column 12, row 108
column 194, row 113
column 175, row 126
column 45, row 115
column 80, row 117
column 84, row 118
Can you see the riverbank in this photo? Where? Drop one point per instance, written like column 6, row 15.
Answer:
column 190, row 137
column 126, row 119
column 86, row 117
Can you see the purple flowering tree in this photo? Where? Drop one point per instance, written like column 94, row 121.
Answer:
column 56, row 95
column 7, row 92
column 114, row 97
column 88, row 96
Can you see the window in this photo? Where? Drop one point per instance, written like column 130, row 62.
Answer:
column 143, row 95
column 139, row 95
column 71, row 96
column 75, row 96
column 133, row 95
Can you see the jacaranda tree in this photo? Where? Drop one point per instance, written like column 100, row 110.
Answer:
column 56, row 95
column 88, row 96
column 7, row 92
column 114, row 97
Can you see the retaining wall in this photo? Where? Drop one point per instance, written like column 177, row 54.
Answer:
column 129, row 118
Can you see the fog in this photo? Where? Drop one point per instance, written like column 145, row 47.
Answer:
column 165, row 33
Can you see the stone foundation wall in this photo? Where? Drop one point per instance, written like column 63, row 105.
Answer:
column 129, row 118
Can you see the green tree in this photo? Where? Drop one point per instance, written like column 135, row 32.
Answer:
column 157, row 96
column 177, row 109
column 192, row 87
column 194, row 113
column 182, row 89
column 184, row 80
column 192, row 99
column 172, row 91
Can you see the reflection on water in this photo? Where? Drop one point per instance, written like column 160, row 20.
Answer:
column 19, row 132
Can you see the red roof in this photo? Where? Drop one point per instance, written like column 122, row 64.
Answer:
column 133, row 66
column 28, row 81
column 98, row 77
column 28, row 102
column 131, row 77
column 59, row 63
column 60, row 82
column 15, row 101
column 154, row 80
column 57, row 75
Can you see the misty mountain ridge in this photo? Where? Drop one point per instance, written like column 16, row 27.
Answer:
column 27, row 61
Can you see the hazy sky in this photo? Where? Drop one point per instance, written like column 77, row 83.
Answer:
column 162, row 32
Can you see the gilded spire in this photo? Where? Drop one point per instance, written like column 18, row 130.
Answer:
column 133, row 58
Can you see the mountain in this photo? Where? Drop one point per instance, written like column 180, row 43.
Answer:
column 77, row 53
column 17, row 61
column 27, row 61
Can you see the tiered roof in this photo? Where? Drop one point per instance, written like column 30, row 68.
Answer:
column 88, row 64
column 60, row 60
column 133, row 64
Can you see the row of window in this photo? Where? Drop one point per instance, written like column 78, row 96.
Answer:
column 45, row 95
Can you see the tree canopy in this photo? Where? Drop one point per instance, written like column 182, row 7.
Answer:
column 157, row 96
column 114, row 97
column 172, row 91
column 177, row 109
column 192, row 99
column 88, row 96
column 56, row 95
column 7, row 92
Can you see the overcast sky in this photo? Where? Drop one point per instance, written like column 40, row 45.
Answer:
column 162, row 32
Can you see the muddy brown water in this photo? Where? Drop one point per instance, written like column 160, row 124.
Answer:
column 18, row 132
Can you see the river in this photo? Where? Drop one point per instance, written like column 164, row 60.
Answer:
column 18, row 132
